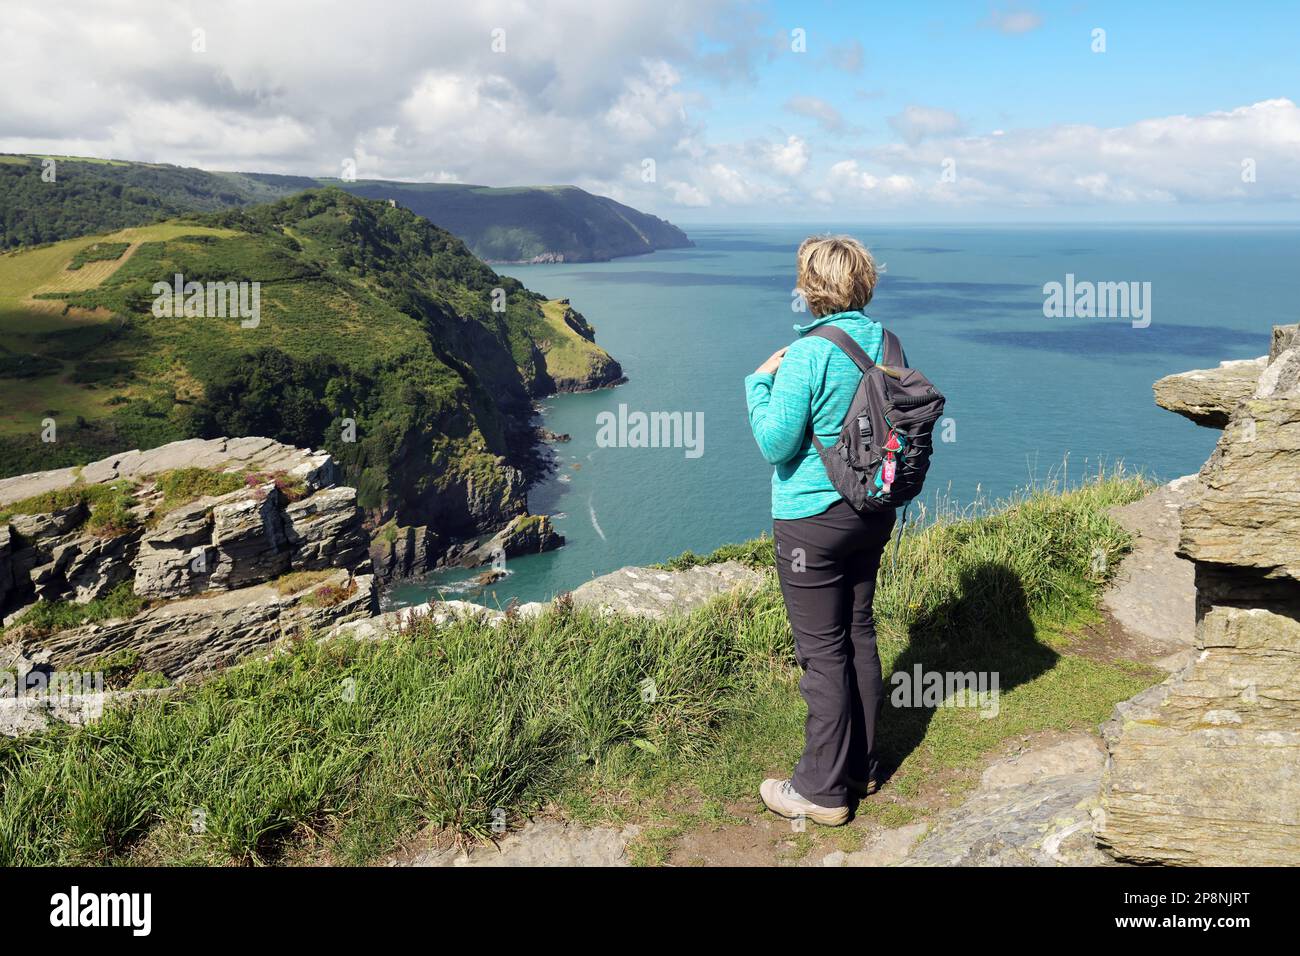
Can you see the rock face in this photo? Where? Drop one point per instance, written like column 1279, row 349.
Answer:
column 1153, row 594
column 601, row 370
column 1205, row 768
column 201, row 567
column 397, row 552
column 646, row 592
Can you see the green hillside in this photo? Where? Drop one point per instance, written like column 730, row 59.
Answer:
column 510, row 224
column 522, row 223
column 90, row 196
column 367, row 312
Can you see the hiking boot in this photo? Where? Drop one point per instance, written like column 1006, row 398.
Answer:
column 862, row 788
column 782, row 800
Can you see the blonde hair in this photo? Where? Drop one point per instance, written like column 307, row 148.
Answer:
column 836, row 274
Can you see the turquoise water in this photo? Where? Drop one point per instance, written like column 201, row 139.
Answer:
column 1024, row 391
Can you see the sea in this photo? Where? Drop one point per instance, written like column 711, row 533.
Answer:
column 1040, row 388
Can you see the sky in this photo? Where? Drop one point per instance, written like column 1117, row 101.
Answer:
column 695, row 110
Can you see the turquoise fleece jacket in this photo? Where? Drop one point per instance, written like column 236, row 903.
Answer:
column 816, row 381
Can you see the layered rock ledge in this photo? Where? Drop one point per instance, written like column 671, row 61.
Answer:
column 1205, row 768
column 185, row 558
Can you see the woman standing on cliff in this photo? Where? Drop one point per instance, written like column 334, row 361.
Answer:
column 827, row 554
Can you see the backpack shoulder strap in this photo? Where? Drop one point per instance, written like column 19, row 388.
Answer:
column 846, row 343
column 851, row 348
column 893, row 351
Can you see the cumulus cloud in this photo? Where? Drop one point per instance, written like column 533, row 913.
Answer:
column 916, row 123
column 494, row 91
column 846, row 180
column 1251, row 153
column 573, row 92
column 789, row 158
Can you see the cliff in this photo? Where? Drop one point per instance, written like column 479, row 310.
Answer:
column 1204, row 769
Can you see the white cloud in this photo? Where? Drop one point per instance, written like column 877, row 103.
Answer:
column 847, row 180
column 582, row 92
column 916, row 123
column 1172, row 159
column 789, row 158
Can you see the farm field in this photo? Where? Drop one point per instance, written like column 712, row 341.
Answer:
column 53, row 351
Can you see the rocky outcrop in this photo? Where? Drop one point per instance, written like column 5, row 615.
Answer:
column 1152, row 596
column 1208, row 396
column 315, row 468
column 1033, row 809
column 186, row 639
column 216, row 576
column 1205, row 768
column 524, row 534
column 397, row 552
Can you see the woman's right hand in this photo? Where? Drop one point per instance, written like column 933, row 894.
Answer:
column 773, row 362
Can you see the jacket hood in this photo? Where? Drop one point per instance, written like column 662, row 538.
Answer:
column 833, row 317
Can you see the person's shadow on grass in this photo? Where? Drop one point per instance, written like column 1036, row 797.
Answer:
column 985, row 631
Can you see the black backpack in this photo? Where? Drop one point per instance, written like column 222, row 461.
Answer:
column 883, row 452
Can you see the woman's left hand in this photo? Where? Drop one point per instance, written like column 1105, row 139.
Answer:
column 773, row 363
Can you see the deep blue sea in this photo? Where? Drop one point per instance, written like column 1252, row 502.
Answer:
column 1026, row 394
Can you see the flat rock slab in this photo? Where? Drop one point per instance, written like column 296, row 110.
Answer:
column 890, row 847
column 190, row 638
column 648, row 592
column 541, row 843
column 1033, row 809
column 655, row 592
column 1153, row 595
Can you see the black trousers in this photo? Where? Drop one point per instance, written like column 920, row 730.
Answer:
column 827, row 566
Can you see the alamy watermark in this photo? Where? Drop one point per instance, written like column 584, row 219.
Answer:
column 208, row 300
column 977, row 690
column 651, row 430
column 133, row 911
column 1084, row 299
column 83, row 688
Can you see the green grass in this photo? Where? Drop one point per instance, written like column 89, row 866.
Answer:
column 180, row 486
column 362, row 318
column 347, row 748
column 48, row 617
column 108, row 506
